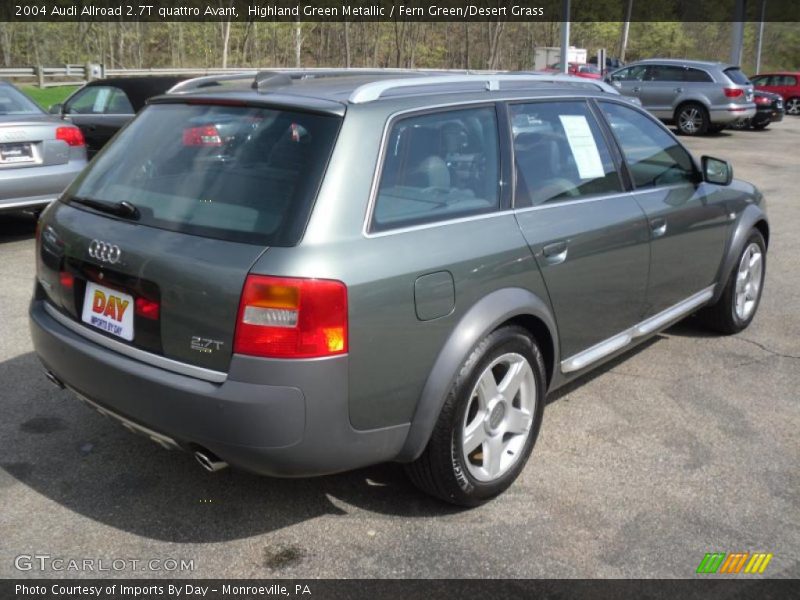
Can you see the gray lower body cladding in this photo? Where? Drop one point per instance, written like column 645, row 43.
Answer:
column 274, row 417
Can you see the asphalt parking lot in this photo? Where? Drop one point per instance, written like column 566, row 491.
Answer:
column 686, row 445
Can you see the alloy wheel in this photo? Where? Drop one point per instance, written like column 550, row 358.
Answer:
column 793, row 106
column 690, row 120
column 748, row 281
column 499, row 417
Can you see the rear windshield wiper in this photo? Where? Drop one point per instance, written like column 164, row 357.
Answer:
column 121, row 209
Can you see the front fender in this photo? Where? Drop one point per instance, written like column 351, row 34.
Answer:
column 483, row 318
column 749, row 217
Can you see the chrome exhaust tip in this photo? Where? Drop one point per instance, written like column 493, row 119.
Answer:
column 209, row 461
column 54, row 380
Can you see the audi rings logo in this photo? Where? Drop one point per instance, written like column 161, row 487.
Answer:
column 105, row 252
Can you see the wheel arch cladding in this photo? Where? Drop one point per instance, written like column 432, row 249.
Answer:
column 503, row 307
column 753, row 217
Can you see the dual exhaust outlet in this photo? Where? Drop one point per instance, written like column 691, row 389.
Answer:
column 207, row 459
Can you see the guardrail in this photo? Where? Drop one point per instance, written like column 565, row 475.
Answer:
column 78, row 74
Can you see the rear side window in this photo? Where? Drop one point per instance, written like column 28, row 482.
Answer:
column 559, row 154
column 439, row 166
column 237, row 173
column 789, row 80
column 654, row 157
column 736, row 76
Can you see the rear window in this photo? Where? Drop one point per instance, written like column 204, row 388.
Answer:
column 244, row 174
column 14, row 102
column 736, row 76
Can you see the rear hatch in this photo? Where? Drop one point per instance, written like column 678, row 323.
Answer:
column 152, row 243
column 741, row 82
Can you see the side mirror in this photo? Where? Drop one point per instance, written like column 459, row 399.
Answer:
column 56, row 109
column 716, row 170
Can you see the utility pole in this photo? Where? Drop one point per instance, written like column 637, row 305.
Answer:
column 626, row 26
column 737, row 34
column 564, row 36
column 760, row 35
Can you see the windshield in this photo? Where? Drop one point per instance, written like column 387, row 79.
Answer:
column 14, row 102
column 230, row 172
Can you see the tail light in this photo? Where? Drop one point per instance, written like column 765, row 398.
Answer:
column 283, row 317
column 733, row 92
column 763, row 100
column 72, row 135
column 67, row 281
column 205, row 135
column 149, row 309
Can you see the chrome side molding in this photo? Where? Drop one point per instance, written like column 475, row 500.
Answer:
column 673, row 313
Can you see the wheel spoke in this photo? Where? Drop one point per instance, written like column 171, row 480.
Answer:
column 487, row 388
column 741, row 281
column 518, row 421
column 475, row 435
column 755, row 260
column 512, row 380
column 493, row 455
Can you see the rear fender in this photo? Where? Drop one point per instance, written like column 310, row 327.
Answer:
column 483, row 318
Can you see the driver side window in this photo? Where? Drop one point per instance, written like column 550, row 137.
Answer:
column 559, row 154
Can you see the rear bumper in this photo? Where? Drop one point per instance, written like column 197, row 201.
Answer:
column 770, row 115
column 36, row 186
column 731, row 112
column 275, row 417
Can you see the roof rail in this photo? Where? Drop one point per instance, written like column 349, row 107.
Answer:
column 209, row 80
column 369, row 92
column 263, row 78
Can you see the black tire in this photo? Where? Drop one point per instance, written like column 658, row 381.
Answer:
column 792, row 106
column 691, row 112
column 761, row 126
column 441, row 470
column 722, row 316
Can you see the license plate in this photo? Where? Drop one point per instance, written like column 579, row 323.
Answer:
column 14, row 153
column 108, row 310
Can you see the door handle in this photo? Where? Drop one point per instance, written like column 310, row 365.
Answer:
column 555, row 253
column 679, row 90
column 658, row 226
column 637, row 89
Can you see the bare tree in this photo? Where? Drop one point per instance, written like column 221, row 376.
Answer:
column 298, row 42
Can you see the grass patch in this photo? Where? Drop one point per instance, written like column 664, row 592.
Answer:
column 46, row 97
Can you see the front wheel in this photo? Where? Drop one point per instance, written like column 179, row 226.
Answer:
column 488, row 424
column 737, row 306
column 692, row 119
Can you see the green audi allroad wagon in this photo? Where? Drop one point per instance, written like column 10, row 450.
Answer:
column 299, row 274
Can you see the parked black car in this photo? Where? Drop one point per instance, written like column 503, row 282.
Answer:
column 769, row 109
column 102, row 107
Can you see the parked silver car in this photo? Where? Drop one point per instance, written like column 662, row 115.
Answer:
column 696, row 96
column 40, row 155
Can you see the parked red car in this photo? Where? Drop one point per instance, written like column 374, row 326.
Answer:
column 582, row 70
column 578, row 69
column 786, row 84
